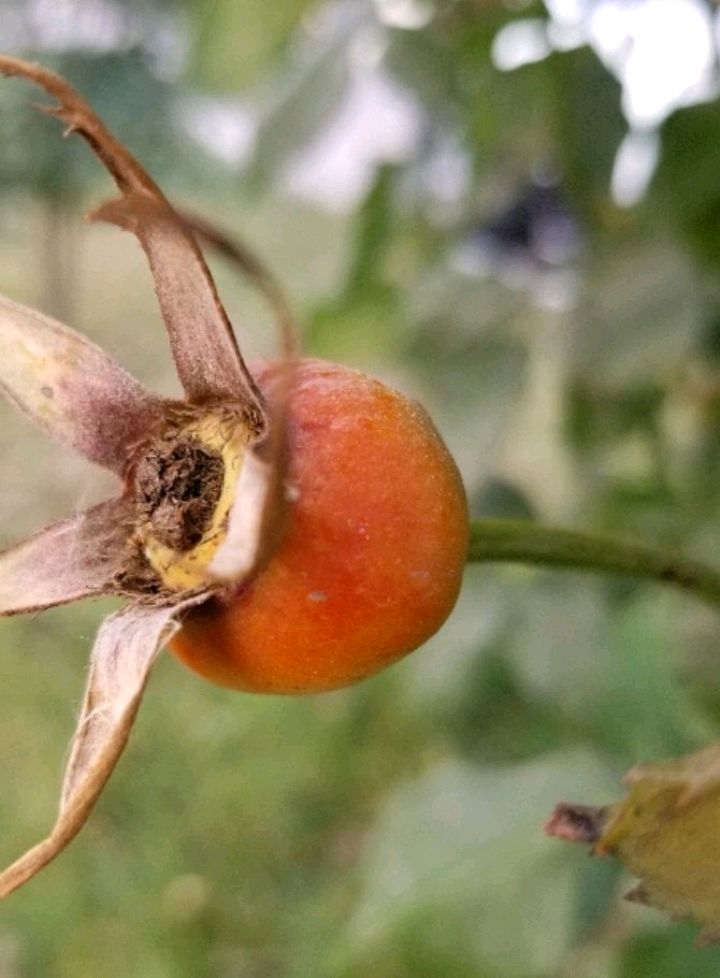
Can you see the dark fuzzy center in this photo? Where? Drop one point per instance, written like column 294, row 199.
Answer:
column 177, row 488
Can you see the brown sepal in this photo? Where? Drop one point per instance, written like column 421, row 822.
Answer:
column 81, row 557
column 125, row 649
column 106, row 550
column 259, row 513
column 206, row 353
column 70, row 388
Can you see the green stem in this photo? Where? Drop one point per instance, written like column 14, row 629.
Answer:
column 516, row 541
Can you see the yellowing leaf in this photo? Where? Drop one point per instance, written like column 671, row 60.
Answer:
column 666, row 832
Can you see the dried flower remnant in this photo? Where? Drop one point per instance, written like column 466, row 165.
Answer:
column 291, row 531
column 665, row 832
column 191, row 471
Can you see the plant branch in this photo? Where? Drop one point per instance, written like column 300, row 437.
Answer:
column 516, row 541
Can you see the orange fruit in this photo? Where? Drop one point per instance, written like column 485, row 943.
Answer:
column 371, row 560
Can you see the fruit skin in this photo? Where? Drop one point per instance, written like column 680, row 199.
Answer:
column 371, row 561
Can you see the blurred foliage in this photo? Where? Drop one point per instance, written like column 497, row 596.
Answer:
column 121, row 87
column 568, row 349
column 234, row 41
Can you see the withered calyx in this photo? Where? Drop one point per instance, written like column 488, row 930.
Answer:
column 202, row 493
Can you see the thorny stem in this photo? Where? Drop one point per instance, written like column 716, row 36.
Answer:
column 516, row 541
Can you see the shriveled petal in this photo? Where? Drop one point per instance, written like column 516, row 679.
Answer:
column 70, row 388
column 206, row 353
column 125, row 649
column 77, row 558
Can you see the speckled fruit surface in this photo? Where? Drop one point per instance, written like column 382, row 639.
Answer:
column 372, row 557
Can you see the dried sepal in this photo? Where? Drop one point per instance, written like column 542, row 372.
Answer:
column 258, row 514
column 665, row 832
column 257, row 517
column 125, row 649
column 158, row 541
column 80, row 557
column 70, row 388
column 206, row 354
column 204, row 347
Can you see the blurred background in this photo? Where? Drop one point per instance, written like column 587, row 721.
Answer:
column 510, row 210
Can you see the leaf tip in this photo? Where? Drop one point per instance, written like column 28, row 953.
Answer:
column 577, row 823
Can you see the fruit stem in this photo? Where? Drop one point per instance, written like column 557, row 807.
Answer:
column 518, row 541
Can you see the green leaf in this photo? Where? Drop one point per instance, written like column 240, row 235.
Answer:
column 463, row 844
column 500, row 499
column 685, row 193
column 373, row 226
column 641, row 311
column 306, row 99
column 236, row 39
column 664, row 832
column 660, row 954
column 643, row 711
column 589, row 125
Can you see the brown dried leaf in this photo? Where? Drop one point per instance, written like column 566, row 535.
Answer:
column 125, row 649
column 206, row 354
column 665, row 832
column 70, row 388
column 77, row 558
